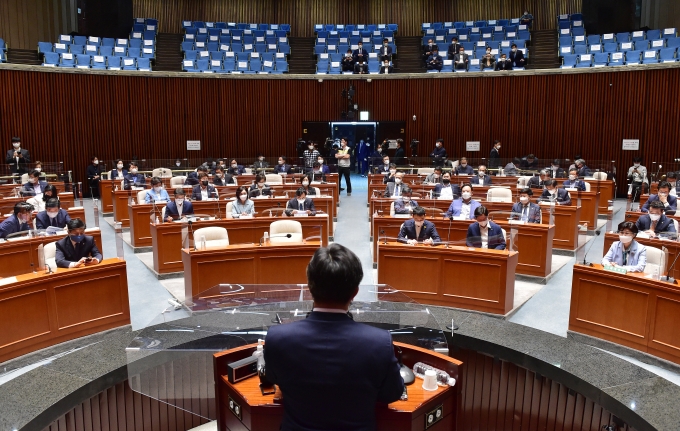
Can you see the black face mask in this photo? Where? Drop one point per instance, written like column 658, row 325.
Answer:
column 205, row 183
column 446, row 181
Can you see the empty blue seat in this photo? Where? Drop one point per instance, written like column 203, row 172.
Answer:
column 600, row 59
column 667, row 55
column 657, row 43
column 65, row 39
column 98, row 62
column 129, row 63
column 188, row 65
column 67, row 60
column 568, row 61
column 593, row 39
column 473, row 65
column 187, row 45
column 106, row 50
column 190, row 55
column 134, row 52
column 579, row 40
column 650, row 57
column 670, row 32
column 584, row 60
column 108, row 41
column 113, row 63
column 617, row 59
column 673, row 42
column 79, row 40
column 610, row 47
column 641, row 45
column 135, row 43
column 60, row 48
column 255, row 65
column 578, row 31
column 202, row 65
column 637, row 35
column 77, row 49
column 51, row 59
column 625, row 46
column 622, row 37
column 91, row 49
column 83, row 60
column 119, row 51
column 281, row 66
column 634, row 57
column 653, row 34
column 595, row 48
column 44, row 47
column 580, row 49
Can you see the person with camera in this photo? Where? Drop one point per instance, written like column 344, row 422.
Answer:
column 18, row 158
column 77, row 249
column 637, row 176
column 348, row 62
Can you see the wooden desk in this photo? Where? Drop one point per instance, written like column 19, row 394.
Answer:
column 607, row 189
column 566, row 225
column 635, row 215
column 534, row 242
column 629, row 309
column 486, row 280
column 246, row 264
column 40, row 310
column 105, row 194
column 672, row 246
column 18, row 255
column 166, row 238
column 73, row 212
column 7, row 204
column 6, row 189
column 590, row 202
column 261, row 413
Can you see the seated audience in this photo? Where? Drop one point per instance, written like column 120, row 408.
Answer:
column 178, row 208
column 391, row 174
column 118, row 173
column 530, row 162
column 77, row 249
column 405, row 205
column 488, row 61
column 538, row 182
column 512, row 168
column 656, row 221
column 637, row 176
column 573, row 182
column 39, row 201
column 463, row 168
column 516, row 56
column 34, row 186
column 235, row 169
column 300, row 203
column 157, row 193
column 324, row 167
column 134, row 178
column 360, row 66
column 503, row 63
column 260, row 164
column 204, row 190
column 526, row 19
column 19, row 221
column 318, row 174
column 482, row 178
column 435, row 177
column 360, row 54
column 282, row 166
column 663, row 195
column 260, row 187
column 525, row 210
column 220, row 178
column 395, row 187
column 453, row 48
column 446, row 190
column 53, row 216
column 429, row 49
column 417, row 229
column 460, row 60
column 434, row 61
column 386, row 68
column 555, row 170
column 626, row 252
column 464, row 207
column 553, row 193
column 242, row 205
column 385, row 51
column 583, row 170
column 348, row 62
column 484, row 233
column 311, row 191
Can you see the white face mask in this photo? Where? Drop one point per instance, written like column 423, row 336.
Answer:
column 466, row 195
column 625, row 239
column 554, row 168
column 234, row 166
column 386, row 162
column 133, row 171
column 119, row 166
column 179, row 201
column 96, row 162
column 572, row 177
column 524, row 199
column 393, row 171
column 655, row 217
column 157, row 189
column 178, row 163
column 552, row 192
column 482, row 173
column 463, row 164
column 38, row 169
column 16, row 145
column 305, row 183
column 52, row 214
column 311, row 147
column 397, row 181
column 320, row 161
column 662, row 195
column 261, row 158
column 637, row 165
column 280, row 162
column 244, row 197
column 483, row 223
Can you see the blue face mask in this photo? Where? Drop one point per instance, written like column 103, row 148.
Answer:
column 77, row 238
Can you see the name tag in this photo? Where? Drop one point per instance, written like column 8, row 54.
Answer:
column 616, row 269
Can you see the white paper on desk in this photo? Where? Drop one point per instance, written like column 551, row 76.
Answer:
column 53, row 230
column 7, row 280
column 300, row 214
column 516, row 222
column 402, row 216
column 459, row 218
column 247, row 216
column 643, row 235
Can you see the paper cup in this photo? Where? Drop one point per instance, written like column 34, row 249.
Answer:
column 430, row 381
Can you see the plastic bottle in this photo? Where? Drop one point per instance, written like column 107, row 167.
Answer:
column 443, row 378
column 259, row 353
column 266, row 238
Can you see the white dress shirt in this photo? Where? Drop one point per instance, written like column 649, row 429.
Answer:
column 485, row 235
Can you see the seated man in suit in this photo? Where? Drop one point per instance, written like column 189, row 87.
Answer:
column 428, row 49
column 418, row 229
column 656, row 221
column 260, row 187
column 204, row 190
column 460, row 60
column 77, row 249
column 157, row 193
column 626, row 252
column 178, row 208
column 385, row 51
column 405, row 205
column 464, row 207
column 573, row 182
column 118, row 173
column 664, row 196
column 134, row 178
column 394, row 188
column 386, row 166
column 525, row 210
column 318, row 174
column 553, row 193
column 446, row 190
column 391, row 174
column 235, row 169
column 555, row 170
column 192, row 178
column 530, row 162
column 453, row 48
column 583, row 170
column 435, row 61
column 464, row 168
column 360, row 66
column 512, row 168
column 538, row 182
column 19, row 221
column 386, row 68
column 348, row 61
column 359, row 54
column 488, row 61
column 52, row 216
column 300, row 203
column 282, row 166
column 503, row 63
column 358, row 359
column 484, row 233
column 482, row 178
column 220, row 178
column 260, row 164
column 34, row 186
column 516, row 56
column 435, row 177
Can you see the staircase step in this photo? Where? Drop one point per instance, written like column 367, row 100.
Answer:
column 301, row 59
column 24, row 56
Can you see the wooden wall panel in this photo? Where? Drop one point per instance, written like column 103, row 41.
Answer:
column 24, row 23
column 303, row 14
column 68, row 117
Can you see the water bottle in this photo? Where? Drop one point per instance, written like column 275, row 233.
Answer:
column 266, row 238
column 203, row 247
column 443, row 378
column 656, row 275
column 157, row 220
column 259, row 353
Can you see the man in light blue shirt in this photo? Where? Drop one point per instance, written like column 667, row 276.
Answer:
column 157, row 192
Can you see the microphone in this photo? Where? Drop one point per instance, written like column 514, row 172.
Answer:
column 191, row 228
column 632, row 202
column 597, row 232
column 382, row 232
column 670, row 279
column 448, row 237
column 219, row 208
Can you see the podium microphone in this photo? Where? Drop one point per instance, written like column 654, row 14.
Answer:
column 448, row 237
column 191, row 228
column 670, row 279
column 597, row 232
column 632, row 202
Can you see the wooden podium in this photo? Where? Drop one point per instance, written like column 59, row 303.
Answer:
column 460, row 277
column 241, row 406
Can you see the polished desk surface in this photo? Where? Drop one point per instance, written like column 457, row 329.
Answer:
column 39, row 310
column 20, row 255
column 7, row 204
column 462, row 277
column 534, row 241
column 73, row 212
column 672, row 246
column 278, row 263
column 265, row 412
column 166, row 238
column 631, row 309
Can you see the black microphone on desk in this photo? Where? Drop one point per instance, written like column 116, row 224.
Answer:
column 382, row 232
column 448, row 237
column 632, row 202
column 597, row 233
column 670, row 279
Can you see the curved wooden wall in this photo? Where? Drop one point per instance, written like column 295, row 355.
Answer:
column 303, row 14
column 69, row 116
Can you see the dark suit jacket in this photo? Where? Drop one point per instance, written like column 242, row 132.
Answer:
column 390, row 69
column 503, row 65
column 113, row 174
column 457, row 61
column 494, row 158
column 455, row 189
column 355, row 368
column 27, row 189
column 196, row 192
column 136, row 180
column 492, row 62
column 255, row 191
column 408, row 231
column 664, row 224
column 43, row 221
column 317, row 177
column 584, row 171
column 399, row 154
column 495, row 240
column 427, row 49
column 517, row 58
column 390, row 189
column 355, row 55
column 18, row 168
column 400, row 206
column 672, row 203
column 293, row 205
column 382, row 54
column 228, row 179
column 560, row 173
column 361, row 68
column 67, row 253
column 562, row 196
column 453, row 50
column 239, row 170
column 467, row 170
column 435, row 60
column 486, row 180
column 171, row 209
column 282, row 169
column 535, row 183
column 534, row 215
column 11, row 225
column 576, row 184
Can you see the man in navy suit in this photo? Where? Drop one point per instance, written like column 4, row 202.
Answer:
column 300, row 203
column 465, row 206
column 482, row 178
column 52, row 216
column 446, row 190
column 179, row 207
column 331, row 369
column 485, row 233
column 539, row 182
column 77, row 249
column 418, row 229
column 655, row 222
column 19, row 221
column 463, row 168
column 18, row 158
column 438, row 155
column 525, row 210
column 516, row 56
column 235, row 169
column 573, row 182
column 283, row 167
column 360, row 53
column 583, row 170
column 134, row 178
column 552, row 193
column 34, row 186
column 405, row 205
column 204, row 190
column 385, row 51
column 669, row 201
column 220, row 178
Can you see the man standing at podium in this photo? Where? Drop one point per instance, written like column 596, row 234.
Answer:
column 331, row 369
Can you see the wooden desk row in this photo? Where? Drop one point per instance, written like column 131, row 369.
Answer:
column 567, row 217
column 672, row 246
column 629, row 309
column 7, row 204
column 41, row 310
column 20, row 256
column 167, row 240
column 460, row 277
column 534, row 242
column 73, row 212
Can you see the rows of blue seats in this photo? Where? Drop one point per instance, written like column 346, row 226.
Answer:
column 355, row 27
column 3, row 51
column 601, row 59
column 617, row 42
column 569, row 36
column 235, row 47
column 194, row 26
column 228, row 37
column 145, row 24
column 620, row 47
column 333, row 41
column 326, row 65
column 342, row 48
column 569, row 20
column 120, row 51
column 85, row 61
column 230, row 65
column 236, row 56
column 495, row 37
column 424, row 27
column 474, row 65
